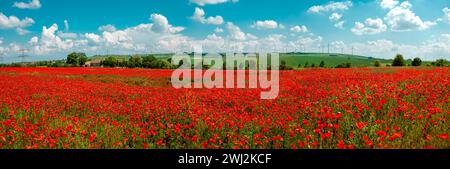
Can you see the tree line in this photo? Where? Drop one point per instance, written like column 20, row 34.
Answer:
column 399, row 61
column 76, row 59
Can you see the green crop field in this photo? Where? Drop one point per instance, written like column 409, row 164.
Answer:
column 331, row 60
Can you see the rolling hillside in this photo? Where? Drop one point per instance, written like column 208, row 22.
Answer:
column 331, row 60
column 294, row 59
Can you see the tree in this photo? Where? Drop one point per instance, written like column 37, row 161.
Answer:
column 398, row 60
column 111, row 61
column 344, row 65
column 416, row 62
column 82, row 59
column 322, row 64
column 76, row 59
column 135, row 61
column 306, row 64
column 164, row 64
column 377, row 63
column 284, row 66
column 440, row 62
column 72, row 58
column 147, row 60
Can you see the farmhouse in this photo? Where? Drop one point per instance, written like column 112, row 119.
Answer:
column 93, row 63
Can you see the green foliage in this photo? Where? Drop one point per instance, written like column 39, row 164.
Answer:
column 135, row 61
column 322, row 64
column 82, row 59
column 377, row 63
column 76, row 59
column 416, row 62
column 330, row 60
column 163, row 64
column 110, row 61
column 398, row 60
column 440, row 62
column 147, row 60
column 344, row 65
column 283, row 66
column 306, row 64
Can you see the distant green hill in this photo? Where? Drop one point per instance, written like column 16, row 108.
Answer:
column 331, row 60
column 126, row 57
column 294, row 59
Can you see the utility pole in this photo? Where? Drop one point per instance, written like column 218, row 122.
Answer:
column 1, row 57
column 328, row 48
column 352, row 50
column 22, row 55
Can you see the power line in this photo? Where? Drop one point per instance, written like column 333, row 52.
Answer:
column 328, row 48
column 352, row 49
column 1, row 57
column 22, row 55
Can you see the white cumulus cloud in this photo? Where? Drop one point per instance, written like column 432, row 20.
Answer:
column 34, row 4
column 330, row 7
column 211, row 2
column 446, row 17
column 388, row 4
column 93, row 37
column 108, row 28
column 218, row 30
column 339, row 24
column 236, row 33
column 298, row 28
column 161, row 24
column 266, row 24
column 335, row 17
column 370, row 27
column 199, row 15
column 12, row 22
column 402, row 18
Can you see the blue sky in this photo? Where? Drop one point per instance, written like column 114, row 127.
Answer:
column 49, row 29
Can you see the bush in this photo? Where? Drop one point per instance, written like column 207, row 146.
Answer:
column 398, row 60
column 306, row 64
column 283, row 66
column 344, row 65
column 377, row 63
column 416, row 62
column 322, row 64
column 440, row 62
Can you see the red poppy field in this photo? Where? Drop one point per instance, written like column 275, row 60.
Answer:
column 361, row 108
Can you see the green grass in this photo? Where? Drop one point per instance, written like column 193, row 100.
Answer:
column 126, row 57
column 331, row 60
column 294, row 59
